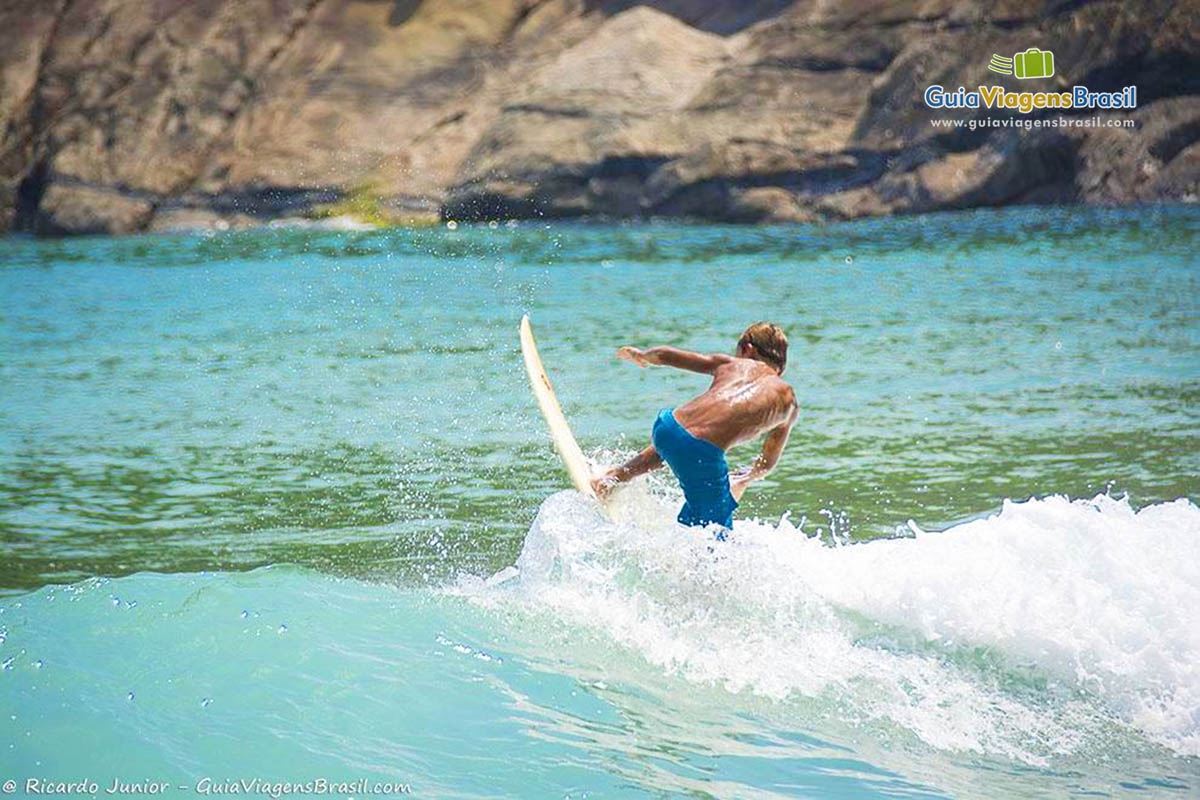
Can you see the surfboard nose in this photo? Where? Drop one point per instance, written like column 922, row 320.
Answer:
column 560, row 432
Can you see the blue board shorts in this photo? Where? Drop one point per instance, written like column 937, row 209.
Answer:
column 701, row 469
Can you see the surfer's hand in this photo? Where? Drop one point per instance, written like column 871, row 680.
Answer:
column 604, row 485
column 634, row 356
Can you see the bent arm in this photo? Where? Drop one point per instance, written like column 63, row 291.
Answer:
column 674, row 357
column 766, row 460
column 646, row 461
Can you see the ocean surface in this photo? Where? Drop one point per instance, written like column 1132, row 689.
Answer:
column 277, row 507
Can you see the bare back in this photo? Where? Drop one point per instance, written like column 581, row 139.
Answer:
column 747, row 398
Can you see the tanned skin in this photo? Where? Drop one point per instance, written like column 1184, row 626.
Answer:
column 746, row 399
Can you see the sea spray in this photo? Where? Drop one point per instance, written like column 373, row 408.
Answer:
column 1045, row 629
column 1092, row 592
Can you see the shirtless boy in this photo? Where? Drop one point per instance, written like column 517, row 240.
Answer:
column 747, row 398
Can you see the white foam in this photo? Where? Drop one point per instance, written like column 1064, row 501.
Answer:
column 1020, row 634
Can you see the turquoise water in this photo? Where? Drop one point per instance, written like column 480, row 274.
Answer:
column 890, row 618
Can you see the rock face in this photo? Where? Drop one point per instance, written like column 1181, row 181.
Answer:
column 119, row 116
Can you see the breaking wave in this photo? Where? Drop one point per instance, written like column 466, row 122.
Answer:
column 1055, row 626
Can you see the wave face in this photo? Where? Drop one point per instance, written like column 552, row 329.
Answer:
column 1053, row 627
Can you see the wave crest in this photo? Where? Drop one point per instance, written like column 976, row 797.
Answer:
column 1038, row 630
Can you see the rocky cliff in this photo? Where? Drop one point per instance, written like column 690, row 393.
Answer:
column 125, row 115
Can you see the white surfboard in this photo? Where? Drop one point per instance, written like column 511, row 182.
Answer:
column 560, row 432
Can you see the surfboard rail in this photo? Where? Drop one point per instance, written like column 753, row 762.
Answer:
column 560, row 431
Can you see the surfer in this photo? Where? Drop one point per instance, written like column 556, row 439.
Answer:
column 747, row 398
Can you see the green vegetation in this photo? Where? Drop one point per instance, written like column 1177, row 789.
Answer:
column 364, row 204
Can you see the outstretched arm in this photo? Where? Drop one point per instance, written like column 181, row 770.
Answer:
column 645, row 461
column 674, row 357
column 766, row 460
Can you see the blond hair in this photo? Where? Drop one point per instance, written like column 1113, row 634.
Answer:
column 769, row 342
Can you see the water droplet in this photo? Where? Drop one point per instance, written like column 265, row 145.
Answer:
column 493, row 224
column 1058, row 345
column 452, row 225
column 849, row 259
